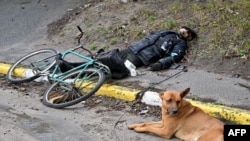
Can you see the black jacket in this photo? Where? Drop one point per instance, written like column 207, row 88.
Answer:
column 149, row 50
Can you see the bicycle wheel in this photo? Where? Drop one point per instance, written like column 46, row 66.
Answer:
column 73, row 88
column 31, row 66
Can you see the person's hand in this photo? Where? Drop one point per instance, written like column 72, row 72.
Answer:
column 156, row 66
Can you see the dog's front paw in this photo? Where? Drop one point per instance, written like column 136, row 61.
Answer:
column 131, row 126
column 137, row 127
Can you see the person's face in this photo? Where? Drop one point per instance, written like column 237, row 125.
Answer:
column 185, row 34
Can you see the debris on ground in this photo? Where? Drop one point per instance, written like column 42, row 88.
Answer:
column 135, row 107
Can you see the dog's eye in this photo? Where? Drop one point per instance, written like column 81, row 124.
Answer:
column 169, row 100
column 177, row 102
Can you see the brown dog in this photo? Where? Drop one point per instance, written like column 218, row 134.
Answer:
column 182, row 120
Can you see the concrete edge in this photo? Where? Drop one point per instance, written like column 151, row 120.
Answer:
column 119, row 92
column 235, row 115
column 228, row 113
column 4, row 68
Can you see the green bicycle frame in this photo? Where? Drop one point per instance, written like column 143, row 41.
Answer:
column 56, row 77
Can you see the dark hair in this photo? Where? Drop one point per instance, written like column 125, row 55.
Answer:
column 190, row 31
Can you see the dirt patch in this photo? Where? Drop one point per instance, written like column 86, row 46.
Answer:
column 109, row 24
column 56, row 27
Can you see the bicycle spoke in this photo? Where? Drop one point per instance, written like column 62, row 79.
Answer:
column 73, row 88
column 31, row 66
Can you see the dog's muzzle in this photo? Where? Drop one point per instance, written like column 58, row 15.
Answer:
column 173, row 111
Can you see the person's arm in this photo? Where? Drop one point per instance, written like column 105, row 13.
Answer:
column 176, row 55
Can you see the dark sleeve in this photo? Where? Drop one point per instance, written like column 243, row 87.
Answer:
column 176, row 55
column 157, row 32
column 145, row 42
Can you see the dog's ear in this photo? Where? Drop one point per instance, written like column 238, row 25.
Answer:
column 161, row 94
column 185, row 92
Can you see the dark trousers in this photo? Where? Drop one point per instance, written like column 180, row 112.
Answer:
column 127, row 54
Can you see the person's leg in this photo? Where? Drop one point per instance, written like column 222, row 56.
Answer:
column 127, row 54
column 124, row 53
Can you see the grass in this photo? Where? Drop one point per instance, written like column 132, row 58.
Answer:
column 221, row 25
column 93, row 46
column 113, row 41
column 103, row 46
column 228, row 23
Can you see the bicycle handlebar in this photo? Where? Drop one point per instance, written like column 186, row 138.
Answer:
column 81, row 34
column 79, row 28
column 79, row 38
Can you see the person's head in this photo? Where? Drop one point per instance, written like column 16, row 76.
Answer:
column 188, row 33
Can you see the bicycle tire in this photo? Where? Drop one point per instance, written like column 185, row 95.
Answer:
column 27, row 63
column 61, row 94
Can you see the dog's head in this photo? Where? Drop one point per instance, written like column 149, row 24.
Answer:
column 172, row 101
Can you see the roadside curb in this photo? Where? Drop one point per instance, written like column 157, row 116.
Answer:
column 115, row 91
column 235, row 115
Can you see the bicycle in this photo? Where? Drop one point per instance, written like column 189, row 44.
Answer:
column 71, row 82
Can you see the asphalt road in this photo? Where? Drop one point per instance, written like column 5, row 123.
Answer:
column 25, row 118
column 23, row 25
column 23, row 22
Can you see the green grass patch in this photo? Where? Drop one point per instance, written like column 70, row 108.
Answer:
column 227, row 22
column 113, row 41
column 93, row 46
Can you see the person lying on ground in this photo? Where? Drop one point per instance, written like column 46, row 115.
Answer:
column 160, row 49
